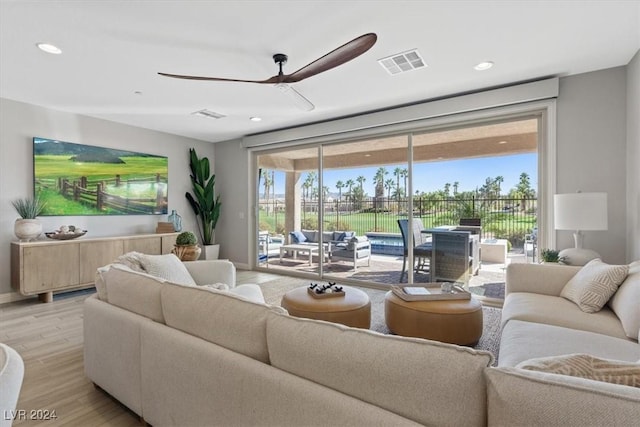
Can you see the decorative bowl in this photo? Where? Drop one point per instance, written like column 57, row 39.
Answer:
column 65, row 236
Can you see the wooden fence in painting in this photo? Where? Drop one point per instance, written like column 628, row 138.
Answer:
column 80, row 191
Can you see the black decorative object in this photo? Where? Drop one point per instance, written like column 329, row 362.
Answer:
column 325, row 290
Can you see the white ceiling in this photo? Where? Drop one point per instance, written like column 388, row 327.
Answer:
column 111, row 49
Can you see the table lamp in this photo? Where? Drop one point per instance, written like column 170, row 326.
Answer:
column 580, row 211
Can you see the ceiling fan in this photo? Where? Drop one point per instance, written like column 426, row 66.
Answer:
column 336, row 57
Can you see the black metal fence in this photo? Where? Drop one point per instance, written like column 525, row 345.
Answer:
column 503, row 218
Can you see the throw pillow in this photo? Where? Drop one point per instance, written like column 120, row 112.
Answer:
column 133, row 260
column 594, row 284
column 298, row 237
column 587, row 366
column 625, row 303
column 167, row 267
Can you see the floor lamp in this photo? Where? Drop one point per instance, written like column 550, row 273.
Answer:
column 578, row 212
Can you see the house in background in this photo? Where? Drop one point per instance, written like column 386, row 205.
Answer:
column 582, row 61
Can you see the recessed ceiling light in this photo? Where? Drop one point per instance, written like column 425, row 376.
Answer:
column 502, row 142
column 255, row 119
column 483, row 66
column 208, row 114
column 49, row 48
column 367, row 155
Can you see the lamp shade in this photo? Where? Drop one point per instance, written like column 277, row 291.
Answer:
column 580, row 211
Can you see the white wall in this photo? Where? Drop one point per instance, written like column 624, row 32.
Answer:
column 232, row 182
column 20, row 122
column 633, row 158
column 591, row 147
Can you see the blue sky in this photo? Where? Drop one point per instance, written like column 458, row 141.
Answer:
column 470, row 173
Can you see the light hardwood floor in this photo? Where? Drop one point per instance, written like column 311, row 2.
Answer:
column 49, row 339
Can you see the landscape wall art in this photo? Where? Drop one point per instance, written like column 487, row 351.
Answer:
column 77, row 179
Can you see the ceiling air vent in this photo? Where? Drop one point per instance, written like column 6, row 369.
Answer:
column 208, row 114
column 402, row 62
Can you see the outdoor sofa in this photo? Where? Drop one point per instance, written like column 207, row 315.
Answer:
column 340, row 245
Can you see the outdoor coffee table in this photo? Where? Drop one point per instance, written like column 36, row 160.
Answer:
column 303, row 249
column 456, row 321
column 352, row 309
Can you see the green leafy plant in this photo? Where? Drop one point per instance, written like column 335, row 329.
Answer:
column 186, row 238
column 28, row 208
column 205, row 204
column 551, row 255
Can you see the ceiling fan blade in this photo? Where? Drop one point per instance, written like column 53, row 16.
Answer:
column 339, row 56
column 296, row 97
column 271, row 80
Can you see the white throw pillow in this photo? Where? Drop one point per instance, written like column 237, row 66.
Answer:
column 133, row 260
column 587, row 366
column 594, row 284
column 625, row 303
column 167, row 267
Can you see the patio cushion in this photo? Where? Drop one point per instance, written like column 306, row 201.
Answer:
column 311, row 235
column 298, row 237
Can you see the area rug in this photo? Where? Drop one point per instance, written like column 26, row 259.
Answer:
column 490, row 340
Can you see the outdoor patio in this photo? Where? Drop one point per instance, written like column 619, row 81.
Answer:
column 386, row 269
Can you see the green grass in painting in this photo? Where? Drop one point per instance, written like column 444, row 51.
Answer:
column 51, row 167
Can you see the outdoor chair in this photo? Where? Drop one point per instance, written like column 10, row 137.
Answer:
column 531, row 240
column 421, row 248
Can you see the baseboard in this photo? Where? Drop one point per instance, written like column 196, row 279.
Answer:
column 14, row 296
column 242, row 266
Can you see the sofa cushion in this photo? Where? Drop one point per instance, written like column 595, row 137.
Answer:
column 228, row 320
column 587, row 366
column 298, row 237
column 167, row 267
column 594, row 284
column 560, row 312
column 366, row 365
column 518, row 397
column 310, row 235
column 521, row 341
column 101, row 286
column 134, row 291
column 626, row 302
column 338, row 236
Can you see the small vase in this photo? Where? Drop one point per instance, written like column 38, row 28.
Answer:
column 176, row 220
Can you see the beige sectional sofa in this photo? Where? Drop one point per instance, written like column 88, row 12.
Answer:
column 538, row 323
column 191, row 355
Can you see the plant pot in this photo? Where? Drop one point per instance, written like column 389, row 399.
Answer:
column 27, row 229
column 187, row 252
column 211, row 251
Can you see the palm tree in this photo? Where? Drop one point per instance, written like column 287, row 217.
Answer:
column 455, row 188
column 350, row 183
column 267, row 186
column 339, row 186
column 405, row 174
column 379, row 180
column 447, row 188
column 499, row 180
column 388, row 184
column 361, row 179
column 397, row 172
column 524, row 190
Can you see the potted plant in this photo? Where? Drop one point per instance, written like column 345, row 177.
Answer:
column 186, row 247
column 550, row 255
column 204, row 202
column 27, row 227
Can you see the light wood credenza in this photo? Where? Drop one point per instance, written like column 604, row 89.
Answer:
column 46, row 266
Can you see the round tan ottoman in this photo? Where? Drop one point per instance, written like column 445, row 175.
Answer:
column 452, row 321
column 352, row 309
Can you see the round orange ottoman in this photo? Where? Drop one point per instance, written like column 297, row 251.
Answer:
column 352, row 309
column 453, row 321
